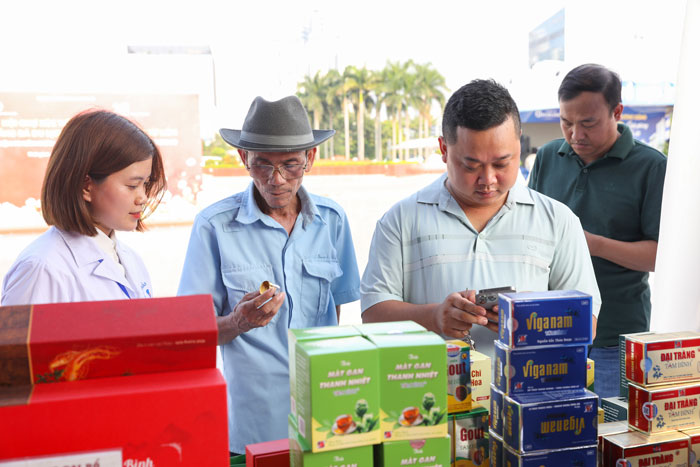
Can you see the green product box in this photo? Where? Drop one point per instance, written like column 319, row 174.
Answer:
column 413, row 399
column 459, row 388
column 299, row 457
column 310, row 334
column 389, row 327
column 337, row 388
column 451, row 434
column 615, row 409
column 429, row 452
column 471, row 438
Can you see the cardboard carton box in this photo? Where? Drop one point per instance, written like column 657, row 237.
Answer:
column 300, row 454
column 662, row 358
column 481, row 379
column 572, row 457
column 636, row 449
column 337, row 388
column 429, row 452
column 614, row 408
column 161, row 419
column 86, row 340
column 521, row 371
column 664, row 408
column 471, row 438
column 554, row 317
column 459, row 393
column 413, row 374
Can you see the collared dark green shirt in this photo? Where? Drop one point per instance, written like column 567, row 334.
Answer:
column 617, row 196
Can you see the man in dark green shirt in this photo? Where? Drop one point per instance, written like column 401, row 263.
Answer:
column 614, row 184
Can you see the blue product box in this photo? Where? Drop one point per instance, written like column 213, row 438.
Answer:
column 576, row 457
column 521, row 371
column 496, row 423
column 495, row 449
column 555, row 317
column 550, row 420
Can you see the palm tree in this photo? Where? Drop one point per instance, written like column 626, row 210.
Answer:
column 378, row 87
column 429, row 87
column 312, row 93
column 358, row 87
column 395, row 100
column 333, row 86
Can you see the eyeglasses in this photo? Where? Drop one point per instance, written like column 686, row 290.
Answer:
column 287, row 171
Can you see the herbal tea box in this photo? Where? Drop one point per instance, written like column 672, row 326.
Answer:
column 471, row 438
column 520, row 371
column 664, row 408
column 428, row 452
column 555, row 317
column 481, row 378
column 550, row 420
column 413, row 400
column 635, row 449
column 337, row 388
column 658, row 358
column 310, row 334
column 389, row 327
column 299, row 457
column 572, row 457
column 459, row 394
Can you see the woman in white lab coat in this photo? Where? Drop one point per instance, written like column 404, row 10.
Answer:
column 104, row 174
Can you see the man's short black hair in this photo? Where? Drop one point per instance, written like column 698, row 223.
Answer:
column 479, row 105
column 592, row 78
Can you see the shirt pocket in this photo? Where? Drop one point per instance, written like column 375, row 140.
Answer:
column 317, row 276
column 240, row 281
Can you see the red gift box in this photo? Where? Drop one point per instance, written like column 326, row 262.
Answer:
column 85, row 340
column 163, row 419
column 268, row 454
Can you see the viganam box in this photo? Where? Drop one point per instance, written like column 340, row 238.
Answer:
column 660, row 358
column 520, row 371
column 550, row 420
column 555, row 317
column 576, row 457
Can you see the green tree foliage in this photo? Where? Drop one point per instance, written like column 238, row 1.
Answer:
column 388, row 106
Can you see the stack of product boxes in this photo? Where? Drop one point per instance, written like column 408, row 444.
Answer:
column 468, row 380
column 662, row 372
column 372, row 394
column 541, row 411
column 125, row 382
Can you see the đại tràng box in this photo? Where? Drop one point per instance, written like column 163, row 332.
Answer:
column 607, row 429
column 337, row 388
column 662, row 358
column 550, row 420
column 413, row 400
column 694, row 452
column 428, row 452
column 571, row 457
column 554, row 317
column 459, row 393
column 310, row 334
column 521, row 371
column 635, row 449
column 300, row 454
column 471, row 438
column 86, row 340
column 481, row 378
column 664, row 408
column 160, row 419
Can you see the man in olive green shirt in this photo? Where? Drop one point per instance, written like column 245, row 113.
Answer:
column 614, row 184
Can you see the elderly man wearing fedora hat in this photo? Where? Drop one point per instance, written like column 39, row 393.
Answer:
column 274, row 231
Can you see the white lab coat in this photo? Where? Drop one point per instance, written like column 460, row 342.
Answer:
column 62, row 266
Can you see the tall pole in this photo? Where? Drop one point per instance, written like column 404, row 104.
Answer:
column 676, row 293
